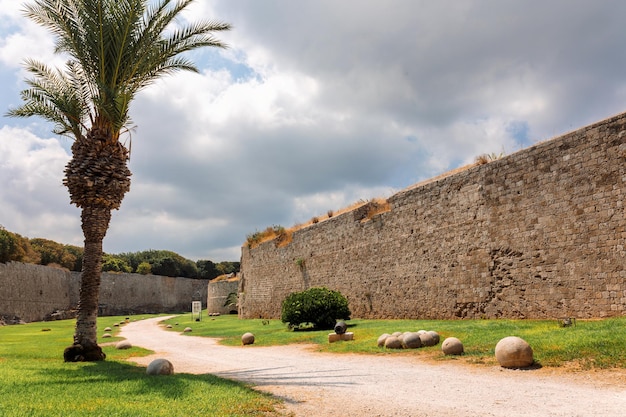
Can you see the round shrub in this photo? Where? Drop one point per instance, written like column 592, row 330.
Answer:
column 318, row 306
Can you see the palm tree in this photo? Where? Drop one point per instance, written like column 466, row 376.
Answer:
column 115, row 49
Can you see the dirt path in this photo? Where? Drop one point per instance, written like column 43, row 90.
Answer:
column 317, row 384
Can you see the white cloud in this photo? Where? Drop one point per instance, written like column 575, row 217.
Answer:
column 318, row 104
column 34, row 201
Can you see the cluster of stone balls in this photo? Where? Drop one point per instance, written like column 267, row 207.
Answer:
column 408, row 340
column 511, row 351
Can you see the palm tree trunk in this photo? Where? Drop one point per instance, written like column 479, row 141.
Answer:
column 95, row 223
column 97, row 178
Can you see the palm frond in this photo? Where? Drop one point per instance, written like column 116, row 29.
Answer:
column 54, row 95
column 116, row 48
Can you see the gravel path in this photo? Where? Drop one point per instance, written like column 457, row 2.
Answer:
column 321, row 384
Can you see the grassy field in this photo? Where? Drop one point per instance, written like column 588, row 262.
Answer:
column 34, row 381
column 589, row 344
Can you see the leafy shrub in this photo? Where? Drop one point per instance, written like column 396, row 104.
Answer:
column 318, row 306
column 144, row 268
column 112, row 263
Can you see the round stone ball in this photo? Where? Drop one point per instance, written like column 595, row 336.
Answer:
column 123, row 344
column 427, row 339
column 247, row 339
column 452, row 346
column 160, row 367
column 514, row 352
column 106, row 335
column 107, row 329
column 187, row 329
column 411, row 341
column 435, row 336
column 393, row 342
column 382, row 338
column 396, row 334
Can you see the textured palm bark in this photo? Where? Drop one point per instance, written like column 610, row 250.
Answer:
column 95, row 222
column 97, row 178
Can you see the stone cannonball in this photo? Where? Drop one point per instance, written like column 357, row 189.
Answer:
column 427, row 339
column 381, row 339
column 393, row 342
column 435, row 336
column 514, row 352
column 123, row 344
column 452, row 346
column 247, row 339
column 160, row 367
column 411, row 341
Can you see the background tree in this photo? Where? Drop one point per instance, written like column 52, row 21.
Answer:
column 53, row 253
column 14, row 247
column 206, row 269
column 144, row 268
column 112, row 263
column 115, row 48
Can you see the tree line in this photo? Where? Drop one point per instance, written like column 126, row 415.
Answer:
column 14, row 247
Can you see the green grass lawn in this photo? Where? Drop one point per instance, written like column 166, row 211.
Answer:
column 34, row 381
column 590, row 344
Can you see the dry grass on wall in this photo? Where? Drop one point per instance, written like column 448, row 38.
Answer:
column 283, row 236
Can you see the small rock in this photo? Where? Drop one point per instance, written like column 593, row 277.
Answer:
column 514, row 352
column 107, row 329
column 187, row 329
column 169, row 326
column 160, row 367
column 116, row 325
column 247, row 339
column 452, row 346
column 124, row 344
column 106, row 335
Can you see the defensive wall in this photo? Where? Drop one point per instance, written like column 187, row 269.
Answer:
column 540, row 233
column 34, row 293
column 218, row 293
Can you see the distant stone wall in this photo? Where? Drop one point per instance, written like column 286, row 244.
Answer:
column 218, row 293
column 34, row 292
column 537, row 234
column 135, row 293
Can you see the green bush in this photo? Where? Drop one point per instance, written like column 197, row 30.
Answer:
column 319, row 307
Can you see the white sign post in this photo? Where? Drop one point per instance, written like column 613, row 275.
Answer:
column 196, row 309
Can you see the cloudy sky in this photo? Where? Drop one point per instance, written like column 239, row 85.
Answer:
column 317, row 104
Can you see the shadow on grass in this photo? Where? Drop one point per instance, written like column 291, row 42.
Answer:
column 135, row 379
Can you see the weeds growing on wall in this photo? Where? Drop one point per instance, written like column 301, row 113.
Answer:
column 283, row 236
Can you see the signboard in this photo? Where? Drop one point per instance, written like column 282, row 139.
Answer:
column 196, row 310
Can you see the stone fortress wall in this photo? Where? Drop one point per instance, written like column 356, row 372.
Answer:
column 540, row 233
column 218, row 292
column 34, row 292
